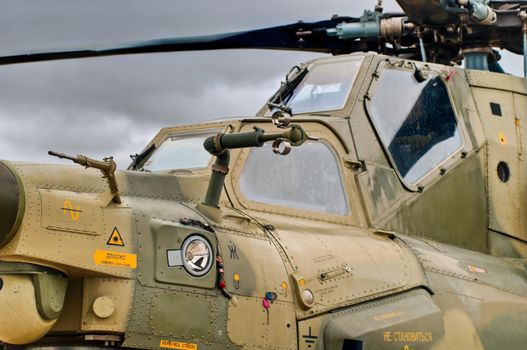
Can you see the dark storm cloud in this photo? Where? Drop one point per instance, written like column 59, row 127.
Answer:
column 114, row 105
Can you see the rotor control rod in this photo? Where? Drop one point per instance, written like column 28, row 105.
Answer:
column 107, row 166
column 480, row 11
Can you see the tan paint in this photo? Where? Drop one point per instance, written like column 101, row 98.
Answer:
column 320, row 267
column 103, row 307
column 20, row 321
column 461, row 332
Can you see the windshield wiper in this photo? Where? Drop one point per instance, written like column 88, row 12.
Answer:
column 280, row 106
column 137, row 159
column 277, row 100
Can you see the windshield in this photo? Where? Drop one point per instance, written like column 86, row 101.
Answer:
column 180, row 151
column 325, row 87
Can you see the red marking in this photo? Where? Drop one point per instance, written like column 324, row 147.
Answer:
column 450, row 75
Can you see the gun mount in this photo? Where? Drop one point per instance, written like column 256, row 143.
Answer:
column 107, row 166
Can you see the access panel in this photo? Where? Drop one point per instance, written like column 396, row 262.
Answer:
column 406, row 321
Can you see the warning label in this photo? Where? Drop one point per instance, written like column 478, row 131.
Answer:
column 117, row 259
column 169, row 344
column 115, row 238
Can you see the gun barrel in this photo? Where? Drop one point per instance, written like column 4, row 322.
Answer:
column 61, row 155
column 104, row 166
column 107, row 166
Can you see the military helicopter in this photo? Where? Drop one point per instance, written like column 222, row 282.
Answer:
column 375, row 201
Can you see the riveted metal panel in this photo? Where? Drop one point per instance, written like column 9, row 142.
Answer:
column 247, row 274
column 185, row 315
column 410, row 320
column 496, row 81
column 467, row 265
column 254, row 327
column 119, row 291
column 140, row 312
column 341, row 265
column 63, row 214
column 520, row 106
column 159, row 230
column 478, row 316
column 71, row 212
column 382, row 191
column 71, row 318
column 169, row 236
column 496, row 109
column 460, row 194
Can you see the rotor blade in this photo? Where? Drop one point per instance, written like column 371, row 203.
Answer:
column 508, row 28
column 281, row 37
column 442, row 12
column 426, row 11
column 505, row 32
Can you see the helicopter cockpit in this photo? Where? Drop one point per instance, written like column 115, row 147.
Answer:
column 342, row 102
column 417, row 124
column 307, row 216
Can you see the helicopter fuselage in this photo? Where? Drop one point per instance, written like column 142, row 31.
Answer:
column 399, row 225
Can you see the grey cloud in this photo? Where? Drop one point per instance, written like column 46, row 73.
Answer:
column 61, row 21
column 149, row 85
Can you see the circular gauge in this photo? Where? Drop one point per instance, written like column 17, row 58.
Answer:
column 197, row 255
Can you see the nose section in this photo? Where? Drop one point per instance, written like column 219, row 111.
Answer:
column 31, row 296
column 11, row 204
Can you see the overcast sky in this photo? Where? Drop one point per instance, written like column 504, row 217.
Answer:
column 114, row 106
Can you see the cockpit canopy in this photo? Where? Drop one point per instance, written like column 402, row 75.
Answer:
column 180, row 151
column 321, row 86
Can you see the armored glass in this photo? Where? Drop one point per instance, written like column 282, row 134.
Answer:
column 183, row 151
column 325, row 87
column 308, row 178
column 415, row 121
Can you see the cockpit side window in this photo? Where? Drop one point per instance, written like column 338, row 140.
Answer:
column 415, row 122
column 325, row 87
column 180, row 151
column 308, row 178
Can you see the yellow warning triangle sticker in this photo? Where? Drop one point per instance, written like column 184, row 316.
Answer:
column 115, row 238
